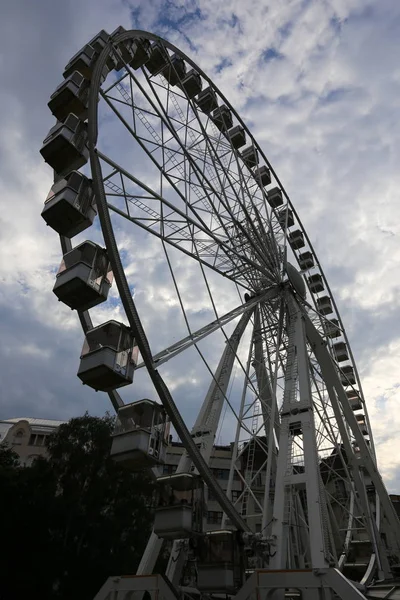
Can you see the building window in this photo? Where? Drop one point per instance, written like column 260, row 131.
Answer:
column 214, row 517
column 236, row 495
column 211, row 495
column 169, row 469
column 37, row 440
column 256, row 482
column 221, row 474
column 18, row 437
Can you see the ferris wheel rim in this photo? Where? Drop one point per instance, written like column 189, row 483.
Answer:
column 132, row 34
column 93, row 134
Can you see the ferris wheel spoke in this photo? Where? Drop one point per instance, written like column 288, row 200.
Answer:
column 204, row 195
column 228, row 248
column 185, row 343
column 252, row 233
column 232, row 341
column 178, row 222
column 260, row 417
column 203, row 180
column 217, row 316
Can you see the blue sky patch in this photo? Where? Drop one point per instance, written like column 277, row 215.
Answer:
column 271, row 54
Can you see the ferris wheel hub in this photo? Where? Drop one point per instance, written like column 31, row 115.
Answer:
column 296, row 280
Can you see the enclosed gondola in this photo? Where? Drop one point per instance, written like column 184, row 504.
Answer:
column 70, row 206
column 108, row 357
column 181, row 506
column 220, row 566
column 84, row 277
column 141, row 434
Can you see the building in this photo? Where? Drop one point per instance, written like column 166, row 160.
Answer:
column 27, row 436
column 220, row 464
column 395, row 498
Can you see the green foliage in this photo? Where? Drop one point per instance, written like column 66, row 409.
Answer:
column 8, row 458
column 74, row 519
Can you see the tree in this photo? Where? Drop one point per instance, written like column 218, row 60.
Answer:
column 82, row 517
column 8, row 459
column 26, row 505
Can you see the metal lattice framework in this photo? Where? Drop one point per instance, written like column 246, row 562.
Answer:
column 168, row 165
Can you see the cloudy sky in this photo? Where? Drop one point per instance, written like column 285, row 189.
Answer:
column 317, row 82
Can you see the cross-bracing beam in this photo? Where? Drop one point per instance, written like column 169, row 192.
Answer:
column 203, row 432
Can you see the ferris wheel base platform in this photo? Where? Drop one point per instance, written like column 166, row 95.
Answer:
column 263, row 584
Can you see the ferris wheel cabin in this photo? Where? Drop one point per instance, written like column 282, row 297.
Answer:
column 237, row 136
column 180, row 511
column 332, row 328
column 84, row 277
column 222, row 118
column 354, row 399
column 158, row 59
column 347, row 375
column 296, row 239
column 250, row 156
column 70, row 205
column 65, row 146
column 141, row 53
column 362, row 424
column 220, row 565
column 316, row 283
column 324, row 305
column 140, row 436
column 108, row 357
column 263, row 176
column 192, row 84
column 207, row 100
column 71, row 96
column 274, row 197
column 175, row 71
column 340, row 351
column 85, row 60
column 285, row 216
column 306, row 260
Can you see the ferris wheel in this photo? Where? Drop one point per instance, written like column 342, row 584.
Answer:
column 148, row 142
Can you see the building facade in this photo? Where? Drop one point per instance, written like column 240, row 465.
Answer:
column 27, row 437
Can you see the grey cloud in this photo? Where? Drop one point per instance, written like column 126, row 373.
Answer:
column 338, row 159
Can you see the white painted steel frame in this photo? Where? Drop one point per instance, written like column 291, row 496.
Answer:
column 251, row 252
column 243, row 231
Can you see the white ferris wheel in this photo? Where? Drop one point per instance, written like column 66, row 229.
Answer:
column 170, row 162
